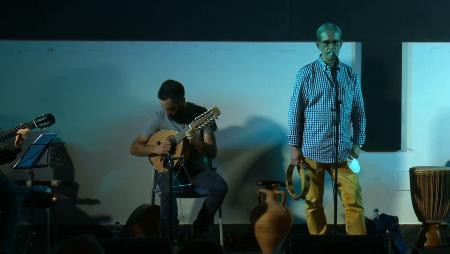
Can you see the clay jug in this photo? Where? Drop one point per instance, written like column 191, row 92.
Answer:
column 274, row 222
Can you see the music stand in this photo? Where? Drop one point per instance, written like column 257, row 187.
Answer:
column 29, row 161
column 32, row 156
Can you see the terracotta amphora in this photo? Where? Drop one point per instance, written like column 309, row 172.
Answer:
column 274, row 224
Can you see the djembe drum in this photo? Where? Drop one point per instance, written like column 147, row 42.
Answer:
column 430, row 195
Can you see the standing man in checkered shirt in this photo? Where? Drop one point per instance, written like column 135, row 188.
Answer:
column 312, row 121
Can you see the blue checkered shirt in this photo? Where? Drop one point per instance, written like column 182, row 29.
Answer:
column 311, row 119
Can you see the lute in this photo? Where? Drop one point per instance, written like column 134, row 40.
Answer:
column 180, row 147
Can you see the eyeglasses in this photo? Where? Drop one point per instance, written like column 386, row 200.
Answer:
column 333, row 42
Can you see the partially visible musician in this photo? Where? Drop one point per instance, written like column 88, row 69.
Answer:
column 176, row 114
column 11, row 196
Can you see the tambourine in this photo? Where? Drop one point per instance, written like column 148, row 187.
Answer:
column 303, row 172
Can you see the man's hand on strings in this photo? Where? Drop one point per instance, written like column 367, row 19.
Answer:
column 162, row 148
column 194, row 138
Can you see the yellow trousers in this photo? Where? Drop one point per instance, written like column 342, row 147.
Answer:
column 349, row 191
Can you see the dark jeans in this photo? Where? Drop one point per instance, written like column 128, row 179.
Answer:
column 206, row 183
column 11, row 197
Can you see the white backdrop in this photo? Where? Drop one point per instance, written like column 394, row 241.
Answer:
column 102, row 93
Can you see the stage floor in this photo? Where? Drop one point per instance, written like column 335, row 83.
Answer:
column 238, row 239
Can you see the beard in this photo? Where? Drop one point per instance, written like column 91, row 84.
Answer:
column 178, row 117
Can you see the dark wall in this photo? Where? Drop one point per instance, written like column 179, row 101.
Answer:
column 381, row 27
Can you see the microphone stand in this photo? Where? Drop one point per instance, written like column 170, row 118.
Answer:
column 337, row 109
column 169, row 164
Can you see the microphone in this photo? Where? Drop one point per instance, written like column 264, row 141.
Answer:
column 335, row 60
column 334, row 65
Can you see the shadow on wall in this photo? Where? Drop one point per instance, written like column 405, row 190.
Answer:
column 66, row 210
column 63, row 170
column 248, row 153
column 84, row 100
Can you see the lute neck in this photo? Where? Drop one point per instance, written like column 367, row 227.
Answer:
column 181, row 135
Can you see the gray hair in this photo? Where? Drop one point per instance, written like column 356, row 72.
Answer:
column 328, row 27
